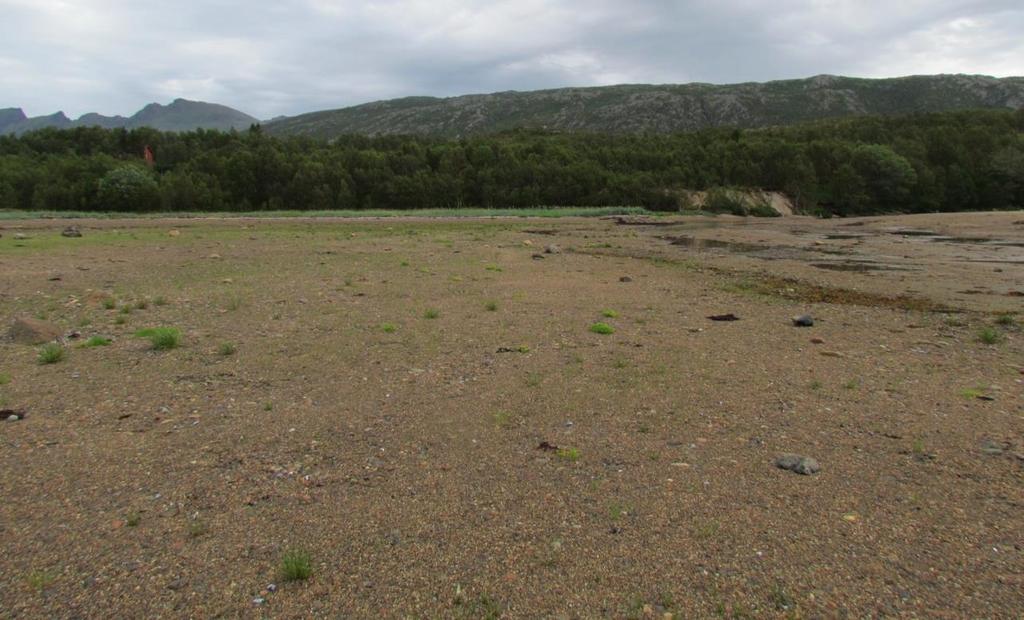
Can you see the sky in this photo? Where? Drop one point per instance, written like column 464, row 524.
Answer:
column 285, row 57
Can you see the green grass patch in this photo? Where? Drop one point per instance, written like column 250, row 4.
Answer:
column 431, row 314
column 162, row 338
column 602, row 328
column 226, row 349
column 96, row 341
column 491, row 306
column 388, row 328
column 51, row 353
column 109, row 303
column 1006, row 320
column 296, row 565
column 989, row 335
column 609, row 314
column 4, row 378
column 569, row 454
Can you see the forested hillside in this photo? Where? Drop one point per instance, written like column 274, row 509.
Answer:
column 930, row 162
column 664, row 108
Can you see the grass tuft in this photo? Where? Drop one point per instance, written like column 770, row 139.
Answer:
column 609, row 314
column 162, row 338
column 51, row 353
column 227, row 349
column 388, row 328
column 296, row 565
column 989, row 335
column 569, row 454
column 491, row 306
column 602, row 328
column 431, row 314
column 96, row 341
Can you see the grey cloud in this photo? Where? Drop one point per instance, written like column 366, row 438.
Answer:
column 270, row 58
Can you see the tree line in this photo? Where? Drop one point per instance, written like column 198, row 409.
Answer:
column 953, row 161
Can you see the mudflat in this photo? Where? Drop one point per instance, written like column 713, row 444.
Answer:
column 426, row 411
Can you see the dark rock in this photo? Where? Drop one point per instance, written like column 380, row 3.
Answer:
column 795, row 463
column 625, row 279
column 33, row 331
column 724, row 317
column 11, row 415
column 71, row 231
column 804, row 320
column 537, row 257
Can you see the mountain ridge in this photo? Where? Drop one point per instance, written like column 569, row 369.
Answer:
column 659, row 108
column 179, row 115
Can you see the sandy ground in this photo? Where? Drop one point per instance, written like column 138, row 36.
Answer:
column 402, row 452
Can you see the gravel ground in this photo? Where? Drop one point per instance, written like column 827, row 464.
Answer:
column 423, row 409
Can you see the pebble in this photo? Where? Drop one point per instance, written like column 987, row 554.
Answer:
column 625, row 279
column 804, row 320
column 272, row 587
column 259, row 600
column 552, row 249
column 798, row 464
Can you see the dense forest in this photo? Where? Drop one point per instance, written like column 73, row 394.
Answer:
column 929, row 162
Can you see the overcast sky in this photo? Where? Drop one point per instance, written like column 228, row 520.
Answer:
column 271, row 57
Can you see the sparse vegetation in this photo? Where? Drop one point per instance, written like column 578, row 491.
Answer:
column 226, row 349
column 161, row 338
column 96, row 341
column 109, row 303
column 1006, row 320
column 431, row 314
column 491, row 306
column 296, row 565
column 4, row 378
column 133, row 519
column 39, row 580
column 51, row 353
column 602, row 328
column 159, row 300
column 388, row 328
column 569, row 454
column 989, row 335
column 609, row 314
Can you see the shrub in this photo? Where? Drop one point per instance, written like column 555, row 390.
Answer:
column 602, row 328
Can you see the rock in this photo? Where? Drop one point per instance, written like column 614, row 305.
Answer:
column 537, row 257
column 724, row 317
column 797, row 464
column 272, row 587
column 817, row 341
column 804, row 320
column 552, row 249
column 625, row 279
column 71, row 231
column 259, row 600
column 33, row 331
column 21, row 236
column 11, row 415
column 173, row 233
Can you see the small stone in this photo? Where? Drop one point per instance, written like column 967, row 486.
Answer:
column 625, row 279
column 537, row 257
column 795, row 463
column 259, row 600
column 832, row 354
column 804, row 320
column 552, row 249
column 817, row 341
column 173, row 233
column 13, row 417
column 71, row 231
column 272, row 587
column 21, row 236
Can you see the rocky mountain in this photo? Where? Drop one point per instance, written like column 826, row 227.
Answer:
column 660, row 108
column 179, row 115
